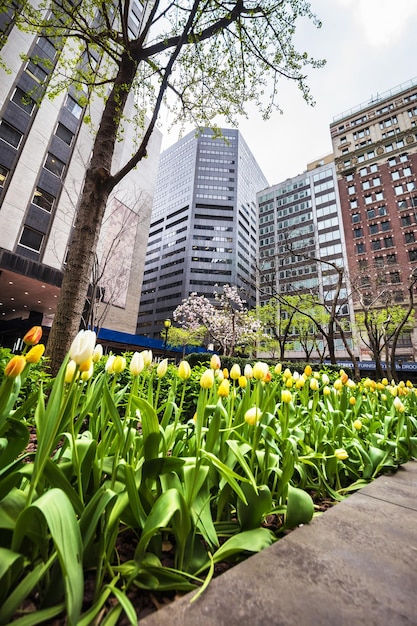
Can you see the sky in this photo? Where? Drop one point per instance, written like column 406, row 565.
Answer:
column 370, row 47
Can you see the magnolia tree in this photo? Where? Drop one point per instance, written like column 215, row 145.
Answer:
column 226, row 321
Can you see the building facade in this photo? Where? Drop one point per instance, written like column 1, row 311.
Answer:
column 204, row 229
column 301, row 243
column 375, row 147
column 44, row 151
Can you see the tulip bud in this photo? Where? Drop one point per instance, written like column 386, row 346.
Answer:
column 352, row 401
column 341, row 454
column 97, row 353
column 253, row 415
column 219, row 375
column 161, row 370
column 286, row 396
column 235, row 372
column 398, row 405
column 325, row 379
column 260, row 370
column 147, row 357
column 15, row 366
column 224, row 388
column 87, row 374
column 35, row 353
column 119, row 364
column 308, row 370
column 136, row 364
column 314, row 385
column 225, row 372
column 33, row 336
column 82, row 347
column 215, row 362
column 278, row 368
column 109, row 364
column 70, row 372
column 184, row 370
column 248, row 372
column 326, row 391
column 243, row 381
column 357, row 424
column 207, row 379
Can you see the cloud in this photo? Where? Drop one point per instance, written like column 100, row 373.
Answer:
column 379, row 22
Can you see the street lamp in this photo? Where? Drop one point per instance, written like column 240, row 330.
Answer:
column 167, row 326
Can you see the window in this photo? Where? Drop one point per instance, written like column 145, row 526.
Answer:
column 412, row 255
column 43, row 199
column 351, row 189
column 360, row 248
column 73, row 106
column 386, row 225
column 9, row 134
column 64, row 133
column 36, row 72
column 353, row 204
column 391, row 259
column 406, row 220
column 23, row 101
column 382, row 210
column 376, row 244
column 358, row 232
column 368, row 199
column 395, row 175
column 3, row 176
column 409, row 237
column 376, row 181
column 373, row 229
column 379, row 261
column 356, row 218
column 54, row 165
column 349, row 178
column 398, row 190
column 370, row 213
column 411, row 186
column 379, row 196
column 366, row 184
column 31, row 239
column 407, row 171
column 47, row 46
column 388, row 242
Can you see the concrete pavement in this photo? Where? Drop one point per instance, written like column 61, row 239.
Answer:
column 355, row 564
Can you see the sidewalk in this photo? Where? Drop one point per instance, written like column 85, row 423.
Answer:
column 354, row 565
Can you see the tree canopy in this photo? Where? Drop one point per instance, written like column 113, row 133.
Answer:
column 199, row 58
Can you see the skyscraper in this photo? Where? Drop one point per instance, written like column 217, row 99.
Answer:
column 44, row 150
column 375, row 147
column 203, row 232
column 300, row 233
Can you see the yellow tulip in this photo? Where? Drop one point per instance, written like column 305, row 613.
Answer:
column 70, row 372
column 326, row 391
column 286, row 396
column 314, row 384
column 253, row 415
column 357, row 424
column 184, row 370
column 207, row 379
column 224, row 388
column 243, row 381
column 260, row 370
column 341, row 454
column 119, row 364
column 235, row 372
column 278, row 368
column 35, row 353
column 398, row 405
column 109, row 364
column 308, row 370
column 85, row 366
column 352, row 401
column 147, row 357
column 15, row 366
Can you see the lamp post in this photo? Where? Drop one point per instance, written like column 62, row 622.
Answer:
column 167, row 326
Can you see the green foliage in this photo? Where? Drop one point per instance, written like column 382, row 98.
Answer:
column 176, row 455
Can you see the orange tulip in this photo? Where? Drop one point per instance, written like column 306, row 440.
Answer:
column 33, row 336
column 15, row 366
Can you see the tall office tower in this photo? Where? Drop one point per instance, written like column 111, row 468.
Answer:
column 203, row 231
column 299, row 230
column 375, row 147
column 44, row 150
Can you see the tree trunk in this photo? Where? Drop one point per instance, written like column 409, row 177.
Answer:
column 97, row 185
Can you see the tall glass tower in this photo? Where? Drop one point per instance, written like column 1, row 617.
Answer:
column 204, row 230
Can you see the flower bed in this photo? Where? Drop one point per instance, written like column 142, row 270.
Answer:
column 185, row 462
